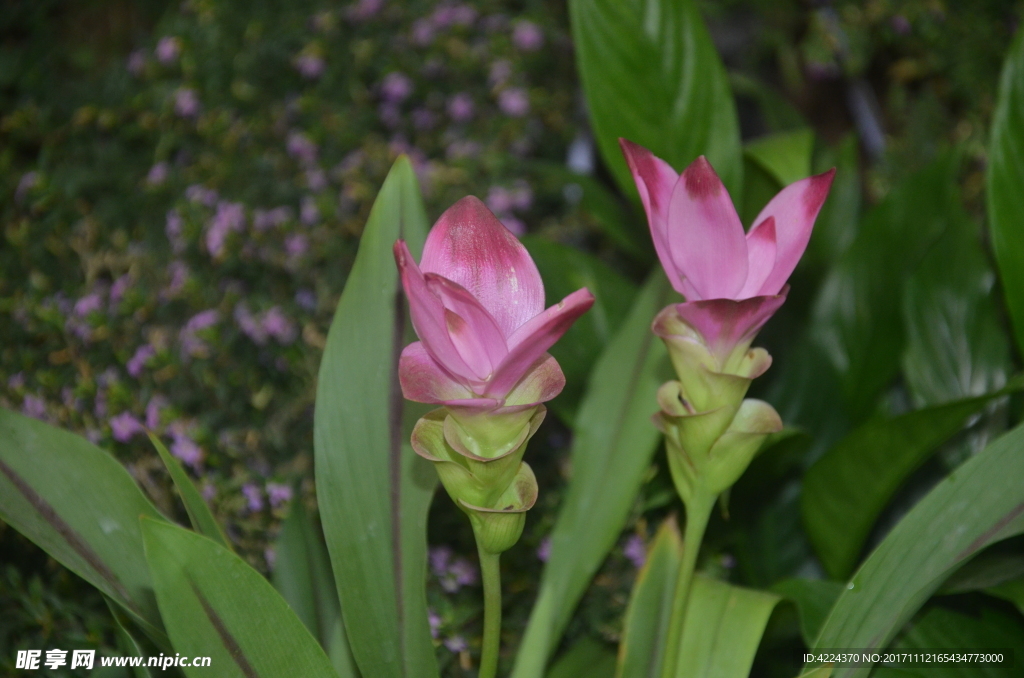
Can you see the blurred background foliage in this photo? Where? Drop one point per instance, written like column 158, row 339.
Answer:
column 183, row 185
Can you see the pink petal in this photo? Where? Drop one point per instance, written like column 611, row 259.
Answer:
column 424, row 381
column 475, row 333
column 469, row 246
column 795, row 208
column 761, row 252
column 655, row 180
column 706, row 236
column 428, row 315
column 534, row 338
column 725, row 323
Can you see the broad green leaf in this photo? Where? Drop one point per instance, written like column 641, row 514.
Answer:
column 650, row 606
column 956, row 347
column 611, row 451
column 824, row 671
column 565, row 270
column 303, row 577
column 980, row 503
column 199, row 513
column 587, row 657
column 1005, row 184
column 1011, row 591
column 723, row 627
column 813, row 599
column 652, row 75
column 125, row 640
column 845, row 491
column 941, row 628
column 216, row 606
column 786, row 156
column 998, row 565
column 372, row 490
column 857, row 316
column 79, row 505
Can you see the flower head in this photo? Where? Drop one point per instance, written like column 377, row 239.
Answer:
column 477, row 303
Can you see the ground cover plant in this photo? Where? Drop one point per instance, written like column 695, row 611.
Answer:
column 204, row 324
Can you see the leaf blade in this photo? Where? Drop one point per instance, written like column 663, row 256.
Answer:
column 199, row 513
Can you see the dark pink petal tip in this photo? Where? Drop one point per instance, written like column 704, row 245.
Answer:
column 727, row 323
column 701, row 180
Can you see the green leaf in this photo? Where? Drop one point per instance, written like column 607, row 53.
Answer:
column 611, row 452
column 980, row 503
column 1011, row 591
column 837, row 223
column 587, row 657
column 1003, row 183
column 786, row 156
column 813, row 599
column 845, row 490
column 216, row 606
column 79, row 505
column 723, row 627
column 650, row 606
column 652, row 75
column 373, row 491
column 125, row 640
column 565, row 270
column 823, row 671
column 955, row 345
column 997, row 565
column 199, row 513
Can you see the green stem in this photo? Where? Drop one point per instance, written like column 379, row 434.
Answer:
column 698, row 510
column 490, row 571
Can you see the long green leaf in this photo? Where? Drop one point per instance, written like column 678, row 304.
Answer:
column 723, row 628
column 79, row 505
column 372, row 490
column 587, row 657
column 199, row 513
column 786, row 156
column 813, row 599
column 980, row 503
column 611, row 451
column 652, row 75
column 216, row 606
column 846, row 490
column 650, row 606
column 1005, row 184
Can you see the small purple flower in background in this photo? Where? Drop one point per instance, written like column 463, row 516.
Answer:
column 183, row 447
column 453, row 15
column 422, row 32
column 306, row 299
column 34, row 406
column 28, row 181
column 900, row 24
column 154, row 410
column 456, row 644
column 499, row 200
column 119, row 287
column 728, row 561
column 544, row 550
column 158, row 174
column 179, row 273
column 364, row 9
column 310, row 66
column 168, row 49
column 296, row 245
column 435, row 622
column 191, row 345
column 279, row 493
column 186, row 102
column 462, row 148
column 90, row 303
column 309, row 213
column 515, row 225
column 125, row 426
column 389, row 115
column 136, row 62
column 230, row 216
column 263, row 220
column 16, row 381
column 501, row 71
column 249, row 325
column 301, row 148
column 396, row 87
column 452, row 574
column 201, row 195
column 514, row 102
column 527, row 36
column 424, row 119
column 143, row 354
column 635, row 550
column 209, row 491
column 253, row 496
column 460, row 107
column 270, row 555
column 279, row 326
column 316, row 179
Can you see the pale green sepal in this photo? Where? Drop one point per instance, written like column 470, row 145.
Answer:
column 498, row 528
column 735, row 449
column 490, row 433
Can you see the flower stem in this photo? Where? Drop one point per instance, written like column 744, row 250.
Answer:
column 698, row 510
column 490, row 571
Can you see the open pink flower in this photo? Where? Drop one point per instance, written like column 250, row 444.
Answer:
column 733, row 281
column 477, row 303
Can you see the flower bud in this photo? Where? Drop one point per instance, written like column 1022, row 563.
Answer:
column 497, row 529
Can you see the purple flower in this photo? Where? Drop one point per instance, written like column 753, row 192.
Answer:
column 270, row 555
column 191, row 345
column 456, row 644
column 316, row 179
column 296, row 245
column 125, row 426
column 279, row 326
column 28, row 181
column 460, row 107
column 364, row 9
column 266, row 219
column 516, row 226
column 396, row 87
column 138, row 361
column 306, row 299
column 635, row 550
column 435, row 622
column 168, row 49
column 310, row 66
column 301, row 148
column 136, row 62
column 209, row 491
column 154, row 408
column 119, row 287
column 279, row 493
column 501, row 71
column 183, row 447
column 158, row 174
column 499, row 199
column 544, row 550
column 249, row 325
column 452, row 574
column 309, row 213
column 34, row 406
column 90, row 303
column 422, row 32
column 199, row 194
column 254, row 496
column 186, row 102
column 230, row 216
column 179, row 277
column 16, row 381
column 514, row 102
column 527, row 36
column 463, row 148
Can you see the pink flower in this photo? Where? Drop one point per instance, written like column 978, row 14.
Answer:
column 477, row 303
column 733, row 281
